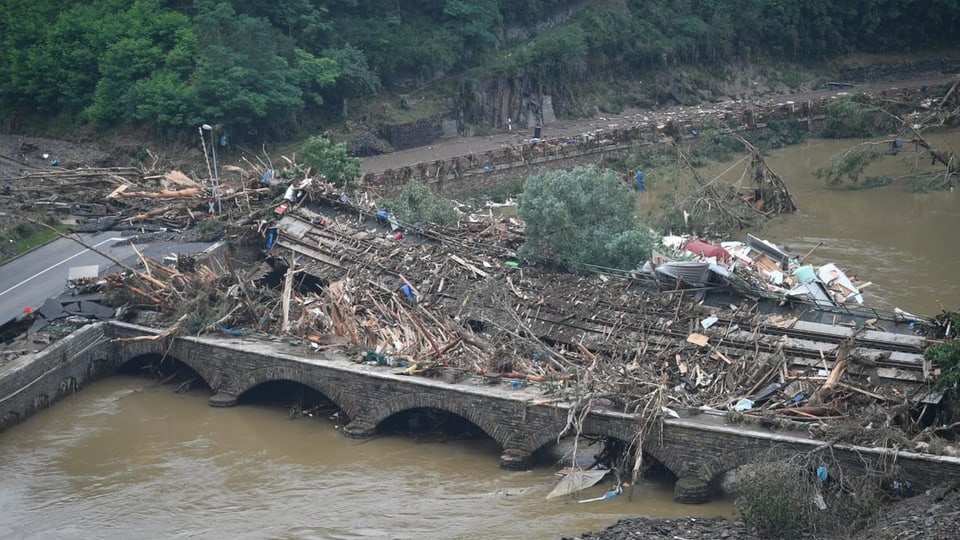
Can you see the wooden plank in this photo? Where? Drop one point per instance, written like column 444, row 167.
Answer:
column 469, row 266
column 309, row 252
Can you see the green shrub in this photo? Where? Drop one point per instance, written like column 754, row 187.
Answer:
column 417, row 204
column 775, row 499
column 331, row 160
column 946, row 356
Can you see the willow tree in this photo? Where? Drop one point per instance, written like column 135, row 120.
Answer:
column 582, row 219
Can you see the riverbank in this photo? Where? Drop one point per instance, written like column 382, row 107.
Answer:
column 932, row 515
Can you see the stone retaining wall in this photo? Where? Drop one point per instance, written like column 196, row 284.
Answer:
column 475, row 172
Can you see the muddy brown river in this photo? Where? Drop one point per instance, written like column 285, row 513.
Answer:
column 127, row 459
column 902, row 242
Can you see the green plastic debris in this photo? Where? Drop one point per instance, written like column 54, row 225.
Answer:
column 372, row 358
column 512, row 264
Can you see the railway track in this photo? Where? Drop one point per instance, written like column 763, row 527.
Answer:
column 569, row 315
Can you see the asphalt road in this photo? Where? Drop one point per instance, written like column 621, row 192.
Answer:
column 30, row 279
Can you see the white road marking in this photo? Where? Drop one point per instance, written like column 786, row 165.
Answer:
column 45, row 270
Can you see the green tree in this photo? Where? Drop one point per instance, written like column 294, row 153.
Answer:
column 145, row 74
column 331, row 160
column 305, row 22
column 582, row 218
column 243, row 80
column 355, row 78
column 475, row 20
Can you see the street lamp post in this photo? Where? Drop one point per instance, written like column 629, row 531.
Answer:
column 216, row 172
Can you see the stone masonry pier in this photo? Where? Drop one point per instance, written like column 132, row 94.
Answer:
column 697, row 449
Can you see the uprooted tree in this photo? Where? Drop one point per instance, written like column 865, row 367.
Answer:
column 908, row 124
column 715, row 208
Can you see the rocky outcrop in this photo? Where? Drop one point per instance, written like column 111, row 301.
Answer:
column 419, row 133
column 507, row 102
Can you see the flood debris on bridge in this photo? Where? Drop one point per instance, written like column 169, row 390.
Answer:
column 458, row 304
column 755, row 268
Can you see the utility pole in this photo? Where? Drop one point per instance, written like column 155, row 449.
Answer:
column 216, row 172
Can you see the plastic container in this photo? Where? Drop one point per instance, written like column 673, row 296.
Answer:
column 805, row 274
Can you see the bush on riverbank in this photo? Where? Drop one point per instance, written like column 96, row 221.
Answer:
column 786, row 499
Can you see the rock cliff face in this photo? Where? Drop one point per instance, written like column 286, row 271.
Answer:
column 503, row 103
column 506, row 102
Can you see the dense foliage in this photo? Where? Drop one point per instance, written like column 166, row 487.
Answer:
column 582, row 219
column 272, row 69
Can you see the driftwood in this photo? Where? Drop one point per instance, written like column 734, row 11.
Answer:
column 171, row 194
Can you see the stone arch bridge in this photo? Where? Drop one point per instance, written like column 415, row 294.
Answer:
column 697, row 449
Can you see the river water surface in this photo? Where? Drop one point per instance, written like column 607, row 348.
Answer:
column 903, row 242
column 127, row 459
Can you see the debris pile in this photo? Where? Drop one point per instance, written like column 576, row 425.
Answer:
column 127, row 198
column 755, row 268
column 458, row 303
column 713, row 207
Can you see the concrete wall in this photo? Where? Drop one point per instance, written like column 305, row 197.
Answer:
column 697, row 449
column 32, row 383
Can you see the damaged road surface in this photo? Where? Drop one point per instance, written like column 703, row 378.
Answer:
column 37, row 281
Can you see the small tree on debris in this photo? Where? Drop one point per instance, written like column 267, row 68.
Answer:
column 331, row 160
column 582, row 218
column 418, row 204
column 946, row 355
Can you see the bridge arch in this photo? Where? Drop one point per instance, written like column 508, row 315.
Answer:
column 292, row 373
column 377, row 413
column 620, row 431
column 161, row 355
column 663, row 456
column 595, row 424
column 709, row 472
